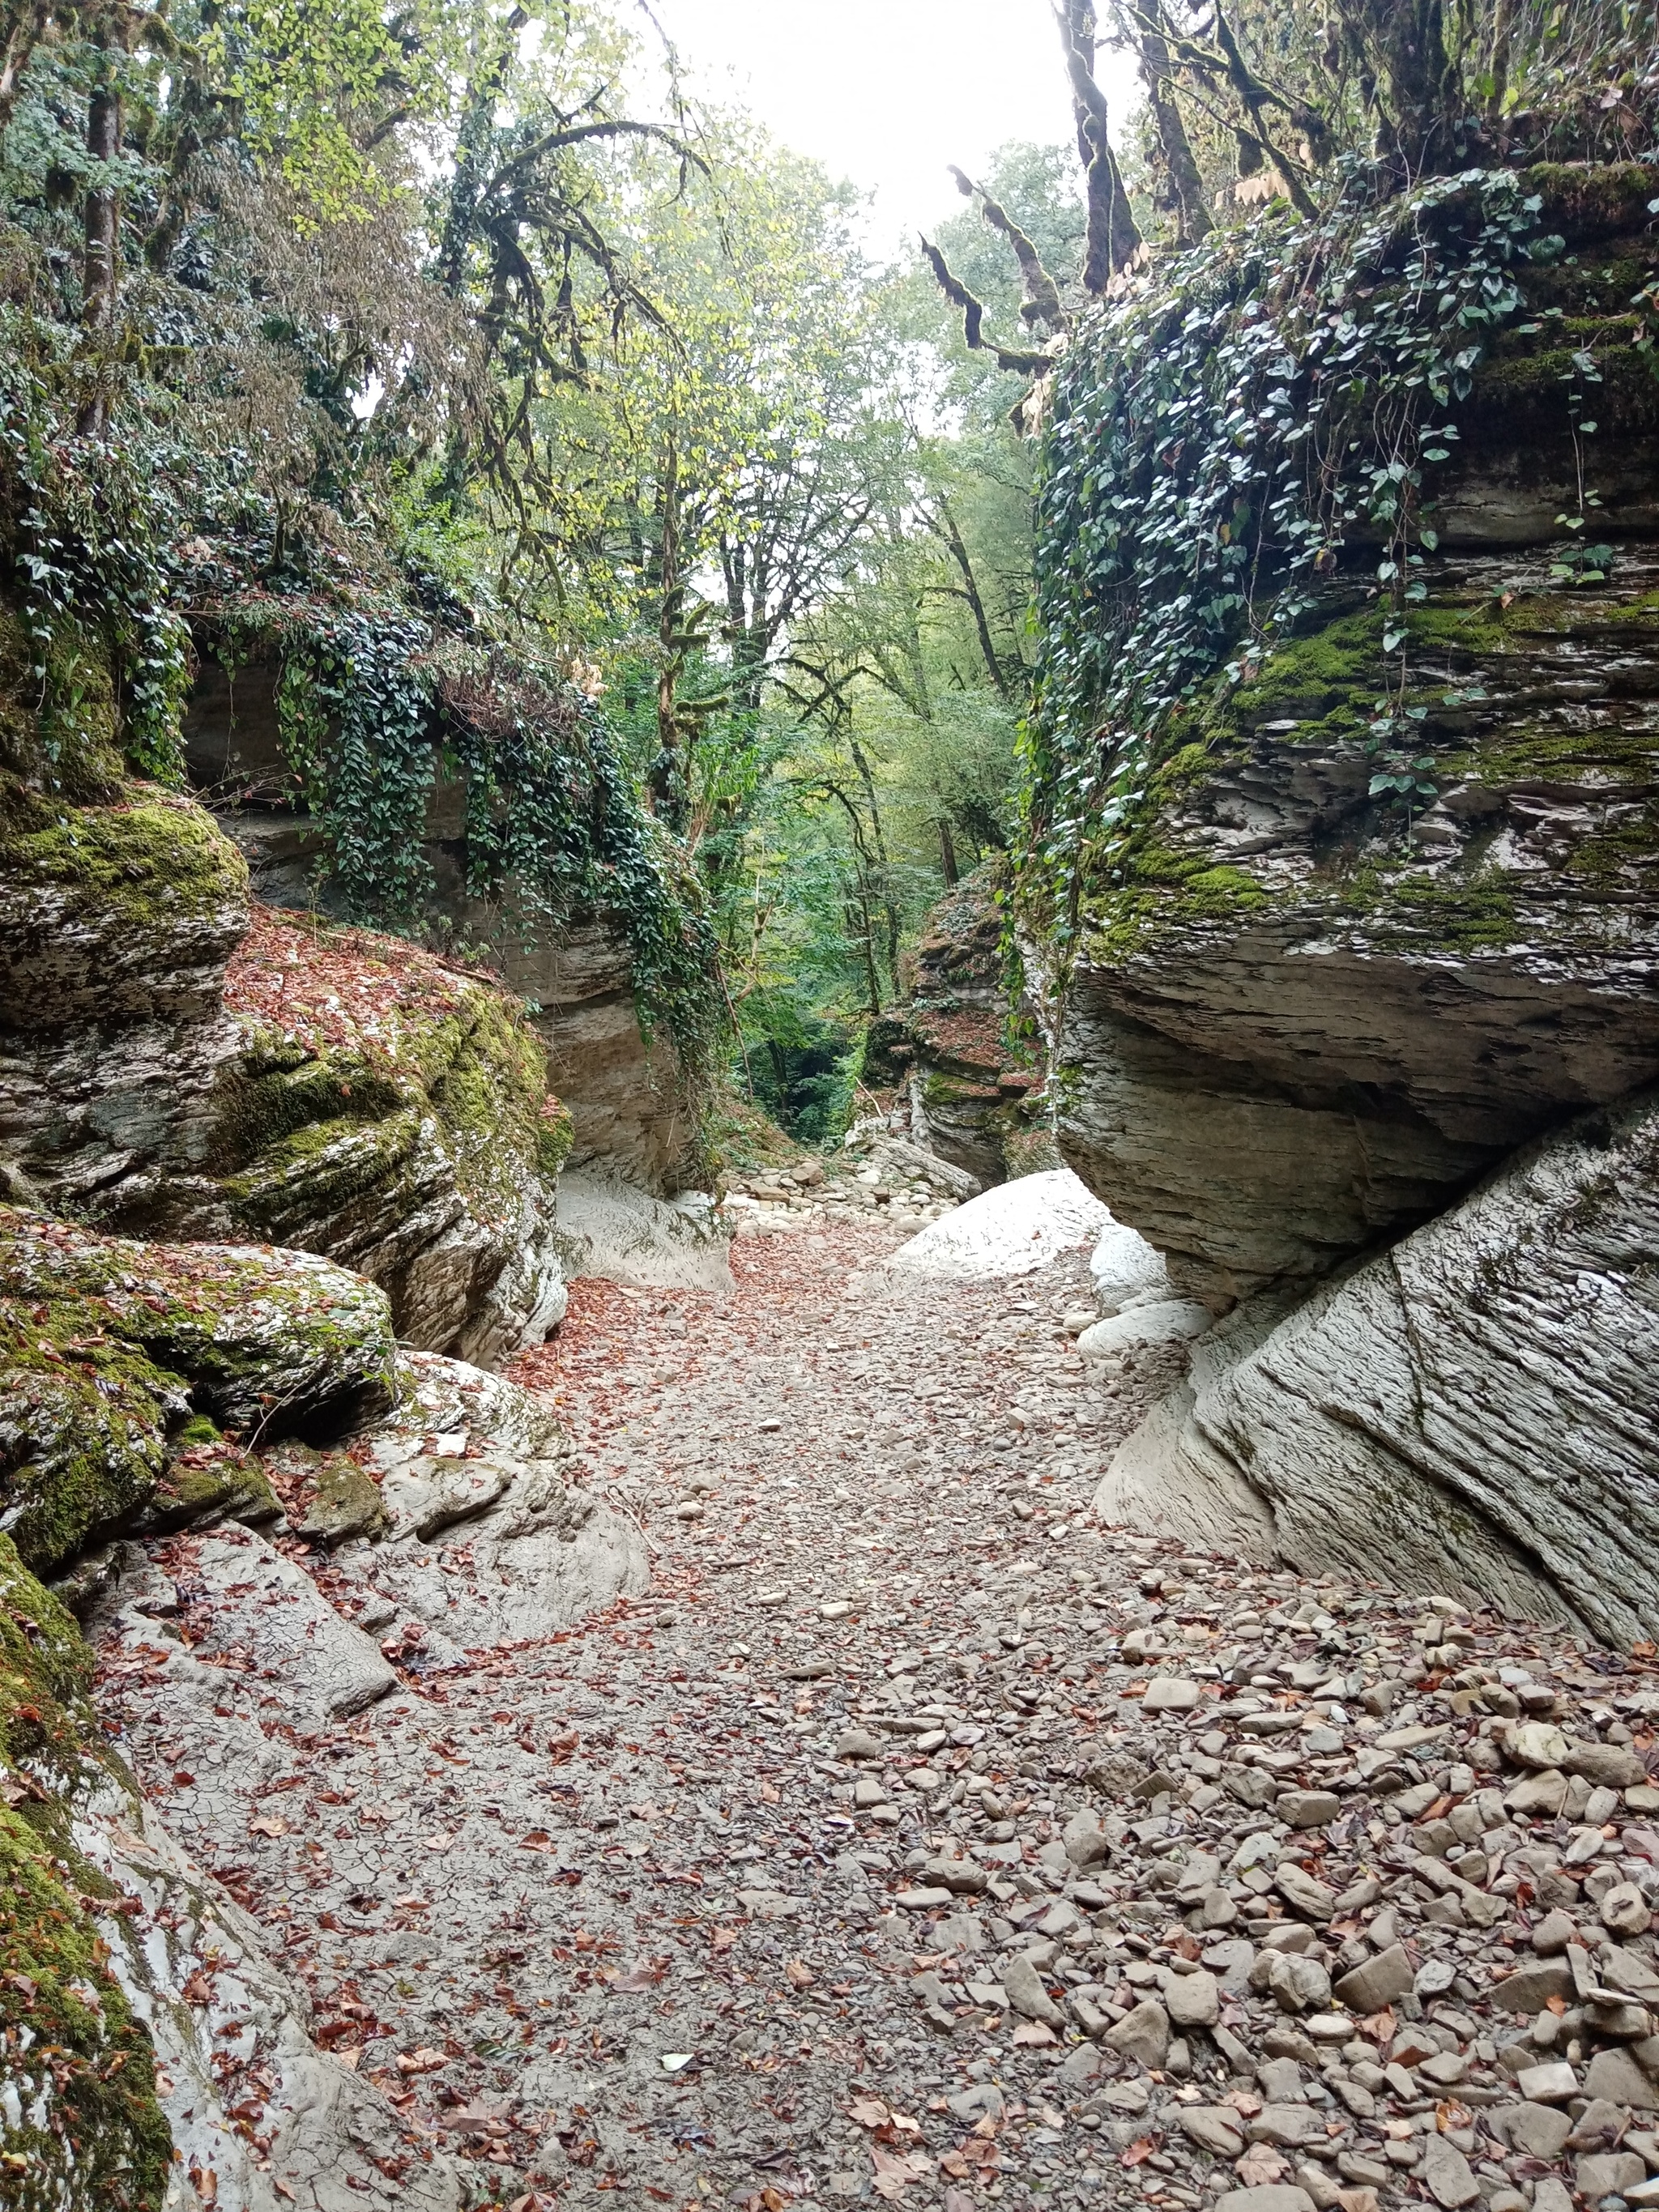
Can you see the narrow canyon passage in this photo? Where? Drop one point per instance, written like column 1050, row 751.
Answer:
column 911, row 1837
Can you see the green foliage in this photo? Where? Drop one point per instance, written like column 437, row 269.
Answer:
column 1219, row 434
column 85, row 537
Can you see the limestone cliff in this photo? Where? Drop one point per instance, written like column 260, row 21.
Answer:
column 1379, row 912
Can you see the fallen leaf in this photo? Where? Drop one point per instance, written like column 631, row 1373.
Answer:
column 1260, row 2166
column 268, row 1824
column 420, row 2061
column 1034, row 2032
column 799, row 1973
column 868, row 2112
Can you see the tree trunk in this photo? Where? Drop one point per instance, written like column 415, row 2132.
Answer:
column 666, row 780
column 100, row 269
column 947, row 853
column 1147, row 32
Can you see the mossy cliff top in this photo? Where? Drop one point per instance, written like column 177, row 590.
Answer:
column 116, row 1357
column 1527, row 826
column 1258, row 463
column 80, row 2067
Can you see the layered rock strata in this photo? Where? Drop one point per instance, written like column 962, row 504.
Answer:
column 1323, row 991
column 1479, row 1406
column 1306, row 1021
column 974, row 1098
column 393, row 1112
column 174, row 1062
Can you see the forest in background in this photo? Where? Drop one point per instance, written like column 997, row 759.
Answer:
column 457, row 349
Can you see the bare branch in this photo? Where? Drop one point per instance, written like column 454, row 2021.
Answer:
column 973, row 319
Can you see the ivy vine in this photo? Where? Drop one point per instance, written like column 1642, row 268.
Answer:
column 1217, row 438
column 371, row 701
column 86, row 542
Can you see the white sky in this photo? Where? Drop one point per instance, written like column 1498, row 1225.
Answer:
column 888, row 93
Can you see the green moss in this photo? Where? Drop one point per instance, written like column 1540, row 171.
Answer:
column 555, row 1132
column 312, row 1138
column 106, row 1342
column 1465, row 913
column 83, row 1443
column 70, row 746
column 135, row 869
column 1163, row 888
column 91, row 2132
column 1326, row 681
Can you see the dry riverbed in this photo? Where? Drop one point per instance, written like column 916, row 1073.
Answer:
column 912, row 1838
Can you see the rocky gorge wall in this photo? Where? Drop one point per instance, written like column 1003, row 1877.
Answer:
column 1310, row 1007
column 973, row 1099
column 626, row 1093
column 260, row 1176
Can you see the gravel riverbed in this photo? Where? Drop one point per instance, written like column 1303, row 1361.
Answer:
column 912, row 1838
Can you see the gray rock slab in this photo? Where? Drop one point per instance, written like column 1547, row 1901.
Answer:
column 1479, row 1407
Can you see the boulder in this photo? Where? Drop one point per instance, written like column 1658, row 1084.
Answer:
column 116, row 920
column 120, row 1362
column 393, row 1113
column 618, row 1231
column 1010, row 1229
column 492, row 1537
column 1478, row 1407
column 142, row 1972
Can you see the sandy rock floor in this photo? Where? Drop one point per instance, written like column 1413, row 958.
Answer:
column 913, row 1839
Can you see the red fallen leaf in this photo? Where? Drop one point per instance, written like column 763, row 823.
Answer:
column 636, row 1979
column 1141, row 2149
column 723, row 1938
column 197, row 1989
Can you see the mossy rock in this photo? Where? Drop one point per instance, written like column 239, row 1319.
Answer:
column 1495, row 662
column 110, row 1347
column 78, row 2063
column 125, row 884
column 342, row 1499
column 383, row 1101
